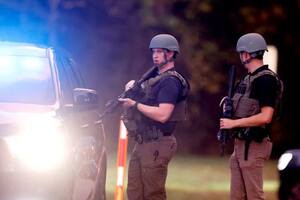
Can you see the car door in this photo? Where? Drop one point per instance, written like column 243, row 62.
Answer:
column 87, row 135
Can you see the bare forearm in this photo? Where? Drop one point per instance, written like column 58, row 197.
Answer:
column 159, row 113
column 255, row 120
column 262, row 118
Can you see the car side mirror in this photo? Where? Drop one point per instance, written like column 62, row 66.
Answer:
column 85, row 99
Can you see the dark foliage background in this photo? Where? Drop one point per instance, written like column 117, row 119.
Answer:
column 109, row 40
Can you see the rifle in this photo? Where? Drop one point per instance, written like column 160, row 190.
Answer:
column 132, row 93
column 227, row 105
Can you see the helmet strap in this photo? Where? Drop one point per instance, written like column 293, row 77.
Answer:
column 257, row 53
column 166, row 58
column 247, row 61
column 253, row 55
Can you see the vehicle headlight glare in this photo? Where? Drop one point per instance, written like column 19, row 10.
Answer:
column 40, row 147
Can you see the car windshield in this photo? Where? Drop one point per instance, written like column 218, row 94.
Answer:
column 26, row 79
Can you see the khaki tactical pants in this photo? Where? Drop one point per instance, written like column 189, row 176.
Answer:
column 148, row 167
column 247, row 175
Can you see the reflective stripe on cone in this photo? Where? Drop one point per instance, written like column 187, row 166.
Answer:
column 121, row 162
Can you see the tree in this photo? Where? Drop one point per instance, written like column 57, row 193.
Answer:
column 110, row 41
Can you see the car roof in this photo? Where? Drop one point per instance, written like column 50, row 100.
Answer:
column 22, row 49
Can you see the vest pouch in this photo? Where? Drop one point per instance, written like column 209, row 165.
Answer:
column 152, row 134
column 148, row 94
column 131, row 126
column 131, row 119
column 244, row 107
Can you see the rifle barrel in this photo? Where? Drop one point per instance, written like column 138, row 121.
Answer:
column 232, row 74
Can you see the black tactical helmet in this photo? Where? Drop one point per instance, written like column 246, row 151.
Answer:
column 164, row 41
column 251, row 42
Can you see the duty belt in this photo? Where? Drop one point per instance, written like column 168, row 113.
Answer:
column 152, row 134
column 256, row 134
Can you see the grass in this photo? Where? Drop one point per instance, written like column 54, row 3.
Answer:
column 197, row 177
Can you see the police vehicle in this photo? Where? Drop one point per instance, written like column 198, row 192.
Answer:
column 51, row 136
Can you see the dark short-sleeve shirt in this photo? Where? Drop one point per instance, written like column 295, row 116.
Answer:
column 264, row 88
column 167, row 90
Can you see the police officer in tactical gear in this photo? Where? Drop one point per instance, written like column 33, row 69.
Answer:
column 254, row 103
column 155, row 115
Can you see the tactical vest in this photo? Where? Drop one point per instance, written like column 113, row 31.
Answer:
column 179, row 112
column 243, row 105
column 140, row 126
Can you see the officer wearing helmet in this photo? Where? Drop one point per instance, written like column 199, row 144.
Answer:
column 155, row 117
column 255, row 100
